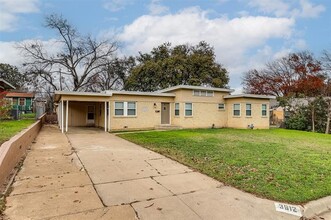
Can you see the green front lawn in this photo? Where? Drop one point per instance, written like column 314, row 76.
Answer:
column 9, row 128
column 278, row 164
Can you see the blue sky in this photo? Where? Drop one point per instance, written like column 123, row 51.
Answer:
column 245, row 33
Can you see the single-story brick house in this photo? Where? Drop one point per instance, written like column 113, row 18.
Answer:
column 179, row 106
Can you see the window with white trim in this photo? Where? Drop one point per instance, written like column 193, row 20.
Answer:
column 264, row 109
column 221, row 106
column 188, row 109
column 22, row 101
column 176, row 109
column 236, row 109
column 131, row 108
column 248, row 109
column 125, row 109
column 203, row 93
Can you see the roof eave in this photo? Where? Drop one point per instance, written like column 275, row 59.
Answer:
column 252, row 96
column 195, row 87
column 13, row 87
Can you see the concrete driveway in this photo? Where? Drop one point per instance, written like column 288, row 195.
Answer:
column 125, row 174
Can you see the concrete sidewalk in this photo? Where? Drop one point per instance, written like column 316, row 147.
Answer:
column 52, row 184
column 107, row 177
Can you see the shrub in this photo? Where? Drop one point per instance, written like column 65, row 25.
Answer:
column 297, row 122
column 5, row 108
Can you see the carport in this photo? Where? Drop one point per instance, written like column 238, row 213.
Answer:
column 82, row 109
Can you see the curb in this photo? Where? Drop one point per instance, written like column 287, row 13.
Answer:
column 317, row 207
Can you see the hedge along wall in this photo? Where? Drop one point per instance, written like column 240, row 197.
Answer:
column 13, row 150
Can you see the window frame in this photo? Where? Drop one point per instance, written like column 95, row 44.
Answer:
column 119, row 109
column 250, row 110
column 221, row 109
column 203, row 93
column 234, row 109
column 196, row 91
column 264, row 110
column 135, row 109
column 209, row 92
column 24, row 102
column 177, row 109
column 191, row 115
column 15, row 101
column 125, row 109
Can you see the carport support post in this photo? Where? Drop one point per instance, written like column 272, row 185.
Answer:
column 108, row 116
column 105, row 116
column 67, row 114
column 62, row 116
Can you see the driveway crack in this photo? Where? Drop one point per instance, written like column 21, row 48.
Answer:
column 153, row 167
column 87, row 173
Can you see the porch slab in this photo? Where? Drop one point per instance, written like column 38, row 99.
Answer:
column 110, row 213
column 135, row 190
column 230, row 203
column 52, row 203
column 187, row 182
column 168, row 208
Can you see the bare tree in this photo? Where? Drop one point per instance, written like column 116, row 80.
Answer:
column 113, row 76
column 78, row 61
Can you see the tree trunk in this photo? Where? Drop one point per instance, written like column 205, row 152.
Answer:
column 313, row 119
column 328, row 125
column 327, row 130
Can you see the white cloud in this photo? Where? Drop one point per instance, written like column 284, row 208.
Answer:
column 116, row 5
column 309, row 10
column 10, row 10
column 19, row 6
column 231, row 38
column 155, row 7
column 294, row 8
column 300, row 44
column 7, row 21
column 277, row 7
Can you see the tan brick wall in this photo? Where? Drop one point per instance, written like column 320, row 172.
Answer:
column 242, row 121
column 147, row 117
column 205, row 110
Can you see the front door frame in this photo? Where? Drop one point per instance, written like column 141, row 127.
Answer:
column 90, row 122
column 165, row 121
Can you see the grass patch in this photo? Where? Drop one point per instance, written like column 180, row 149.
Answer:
column 28, row 116
column 9, row 128
column 278, row 164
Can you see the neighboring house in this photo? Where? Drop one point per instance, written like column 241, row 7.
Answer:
column 277, row 115
column 5, row 87
column 179, row 107
column 22, row 101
